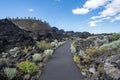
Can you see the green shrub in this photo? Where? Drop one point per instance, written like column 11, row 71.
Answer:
column 103, row 50
column 74, row 44
column 105, row 45
column 99, row 68
column 60, row 43
column 92, row 51
column 48, row 52
column 114, row 36
column 87, row 58
column 76, row 59
column 25, row 50
column 113, row 45
column 118, row 50
column 54, row 44
column 3, row 60
column 28, row 67
column 111, row 48
column 4, row 54
column 34, row 25
column 81, row 53
column 43, row 45
column 37, row 57
column 56, row 41
column 84, row 69
column 73, row 49
column 10, row 73
column 99, row 42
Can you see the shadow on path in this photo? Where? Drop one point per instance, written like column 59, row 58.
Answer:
column 61, row 66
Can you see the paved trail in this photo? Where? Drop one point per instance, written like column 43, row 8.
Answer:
column 61, row 66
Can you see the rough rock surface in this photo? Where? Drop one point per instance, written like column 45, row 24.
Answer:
column 11, row 35
column 112, row 66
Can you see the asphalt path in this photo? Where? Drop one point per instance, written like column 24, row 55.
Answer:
column 61, row 66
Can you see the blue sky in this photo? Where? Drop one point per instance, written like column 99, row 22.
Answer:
column 94, row 16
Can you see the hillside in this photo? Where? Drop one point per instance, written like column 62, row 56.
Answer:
column 31, row 25
column 38, row 29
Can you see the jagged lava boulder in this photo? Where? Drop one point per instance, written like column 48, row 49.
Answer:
column 11, row 35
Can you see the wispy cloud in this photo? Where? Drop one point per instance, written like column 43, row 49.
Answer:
column 116, row 18
column 89, row 5
column 110, row 12
column 31, row 10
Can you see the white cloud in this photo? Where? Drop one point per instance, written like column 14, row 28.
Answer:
column 111, row 10
column 116, row 18
column 31, row 10
column 80, row 11
column 89, row 5
column 94, row 23
column 93, row 4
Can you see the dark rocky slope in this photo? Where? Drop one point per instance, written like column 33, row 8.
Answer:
column 11, row 35
column 39, row 29
column 20, row 32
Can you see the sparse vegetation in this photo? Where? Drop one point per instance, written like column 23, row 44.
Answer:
column 87, row 59
column 10, row 73
column 25, row 50
column 34, row 25
column 76, row 59
column 48, row 52
column 73, row 49
column 43, row 45
column 81, row 53
column 28, row 67
column 95, row 56
column 91, row 51
column 114, row 36
column 37, row 57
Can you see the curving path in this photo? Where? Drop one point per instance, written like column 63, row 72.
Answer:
column 61, row 66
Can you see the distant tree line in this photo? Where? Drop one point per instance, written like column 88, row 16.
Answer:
column 28, row 18
column 24, row 18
